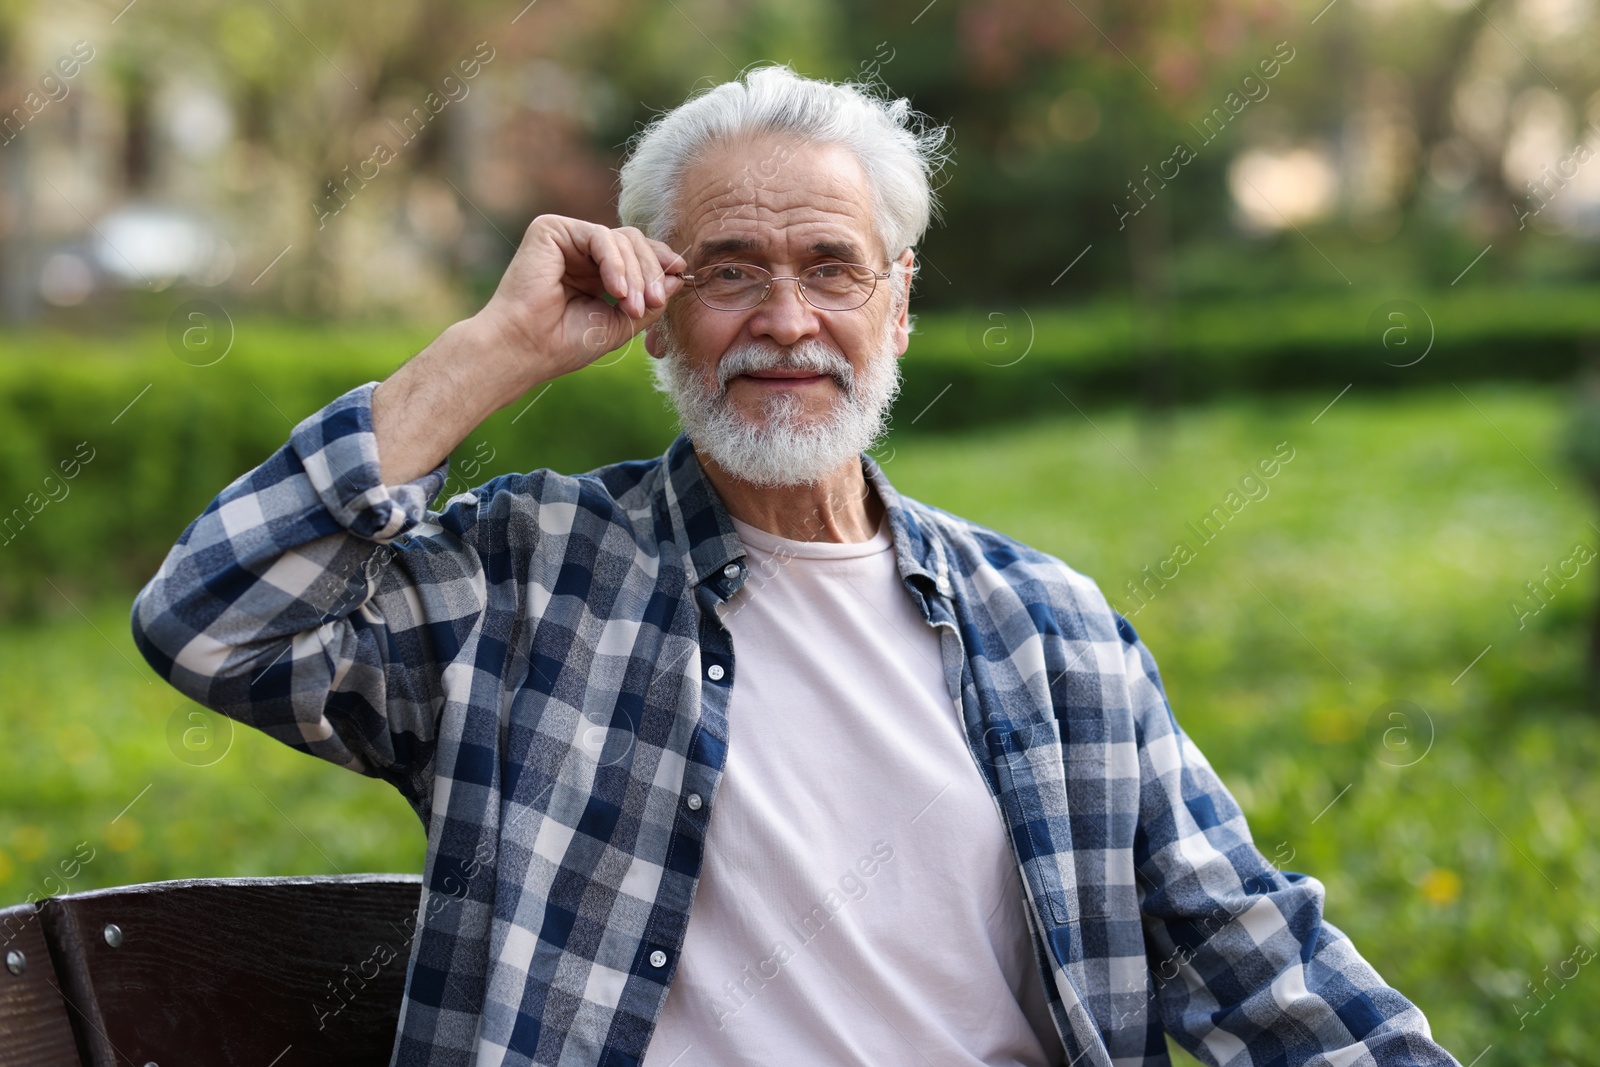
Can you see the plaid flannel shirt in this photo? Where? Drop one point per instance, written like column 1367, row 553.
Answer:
column 533, row 669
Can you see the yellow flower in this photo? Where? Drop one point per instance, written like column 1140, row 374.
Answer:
column 29, row 842
column 123, row 834
column 1329, row 726
column 1441, row 886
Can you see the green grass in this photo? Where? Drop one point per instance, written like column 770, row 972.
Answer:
column 1377, row 567
column 86, row 738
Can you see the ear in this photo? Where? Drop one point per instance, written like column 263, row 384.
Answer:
column 652, row 341
column 902, row 326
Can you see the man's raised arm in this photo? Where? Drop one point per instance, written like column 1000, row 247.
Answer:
column 317, row 598
column 546, row 318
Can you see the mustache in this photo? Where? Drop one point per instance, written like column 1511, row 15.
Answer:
column 812, row 356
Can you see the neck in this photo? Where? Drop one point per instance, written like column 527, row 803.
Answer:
column 843, row 507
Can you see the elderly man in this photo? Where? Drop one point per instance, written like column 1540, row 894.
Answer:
column 919, row 782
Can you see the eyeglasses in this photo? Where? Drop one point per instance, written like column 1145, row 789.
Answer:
column 826, row 286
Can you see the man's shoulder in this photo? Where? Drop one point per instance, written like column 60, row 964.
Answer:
column 985, row 557
column 628, row 483
column 616, row 493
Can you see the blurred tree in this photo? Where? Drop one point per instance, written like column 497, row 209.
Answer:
column 1067, row 121
column 16, row 267
column 319, row 85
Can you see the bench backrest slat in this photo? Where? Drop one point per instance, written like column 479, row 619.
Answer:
column 34, row 1029
column 237, row 970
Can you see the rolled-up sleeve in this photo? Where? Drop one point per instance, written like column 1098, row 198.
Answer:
column 315, row 603
column 1245, row 968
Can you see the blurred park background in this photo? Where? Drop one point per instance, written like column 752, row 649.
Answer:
column 1179, row 239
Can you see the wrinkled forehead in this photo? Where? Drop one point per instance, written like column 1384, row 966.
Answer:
column 769, row 198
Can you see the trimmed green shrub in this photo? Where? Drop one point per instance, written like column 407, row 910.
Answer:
column 997, row 363
column 115, row 444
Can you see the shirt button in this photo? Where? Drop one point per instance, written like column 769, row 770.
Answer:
column 714, row 672
column 694, row 801
column 943, row 582
column 658, row 958
column 731, row 571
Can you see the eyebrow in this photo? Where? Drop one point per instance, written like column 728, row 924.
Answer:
column 844, row 250
column 841, row 250
column 724, row 245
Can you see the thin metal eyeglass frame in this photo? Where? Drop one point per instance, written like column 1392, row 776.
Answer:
column 767, row 288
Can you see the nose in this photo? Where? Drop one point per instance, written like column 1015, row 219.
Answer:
column 784, row 316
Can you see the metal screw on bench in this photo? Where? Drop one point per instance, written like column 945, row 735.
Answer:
column 16, row 962
column 113, row 935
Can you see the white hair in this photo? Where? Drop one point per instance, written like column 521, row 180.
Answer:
column 899, row 150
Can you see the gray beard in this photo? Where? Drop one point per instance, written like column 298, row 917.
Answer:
column 781, row 449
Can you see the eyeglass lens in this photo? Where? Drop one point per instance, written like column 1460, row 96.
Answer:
column 829, row 286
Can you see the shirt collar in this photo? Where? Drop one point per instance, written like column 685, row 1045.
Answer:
column 696, row 514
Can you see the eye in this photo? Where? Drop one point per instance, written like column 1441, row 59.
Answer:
column 729, row 272
column 829, row 270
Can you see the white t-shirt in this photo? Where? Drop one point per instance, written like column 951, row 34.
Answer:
column 859, row 904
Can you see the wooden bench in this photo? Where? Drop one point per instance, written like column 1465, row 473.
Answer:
column 257, row 972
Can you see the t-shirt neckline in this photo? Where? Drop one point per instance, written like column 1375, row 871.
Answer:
column 757, row 538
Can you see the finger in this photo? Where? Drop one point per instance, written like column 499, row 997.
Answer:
column 670, row 261
column 633, row 303
column 571, row 237
column 593, row 285
column 648, row 319
column 614, row 265
column 589, row 249
column 673, row 263
column 649, row 263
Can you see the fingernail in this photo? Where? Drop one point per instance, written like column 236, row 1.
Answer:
column 657, row 290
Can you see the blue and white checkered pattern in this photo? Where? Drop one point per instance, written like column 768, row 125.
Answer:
column 532, row 668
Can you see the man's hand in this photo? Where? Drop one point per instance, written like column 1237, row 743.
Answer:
column 546, row 318
column 548, row 311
